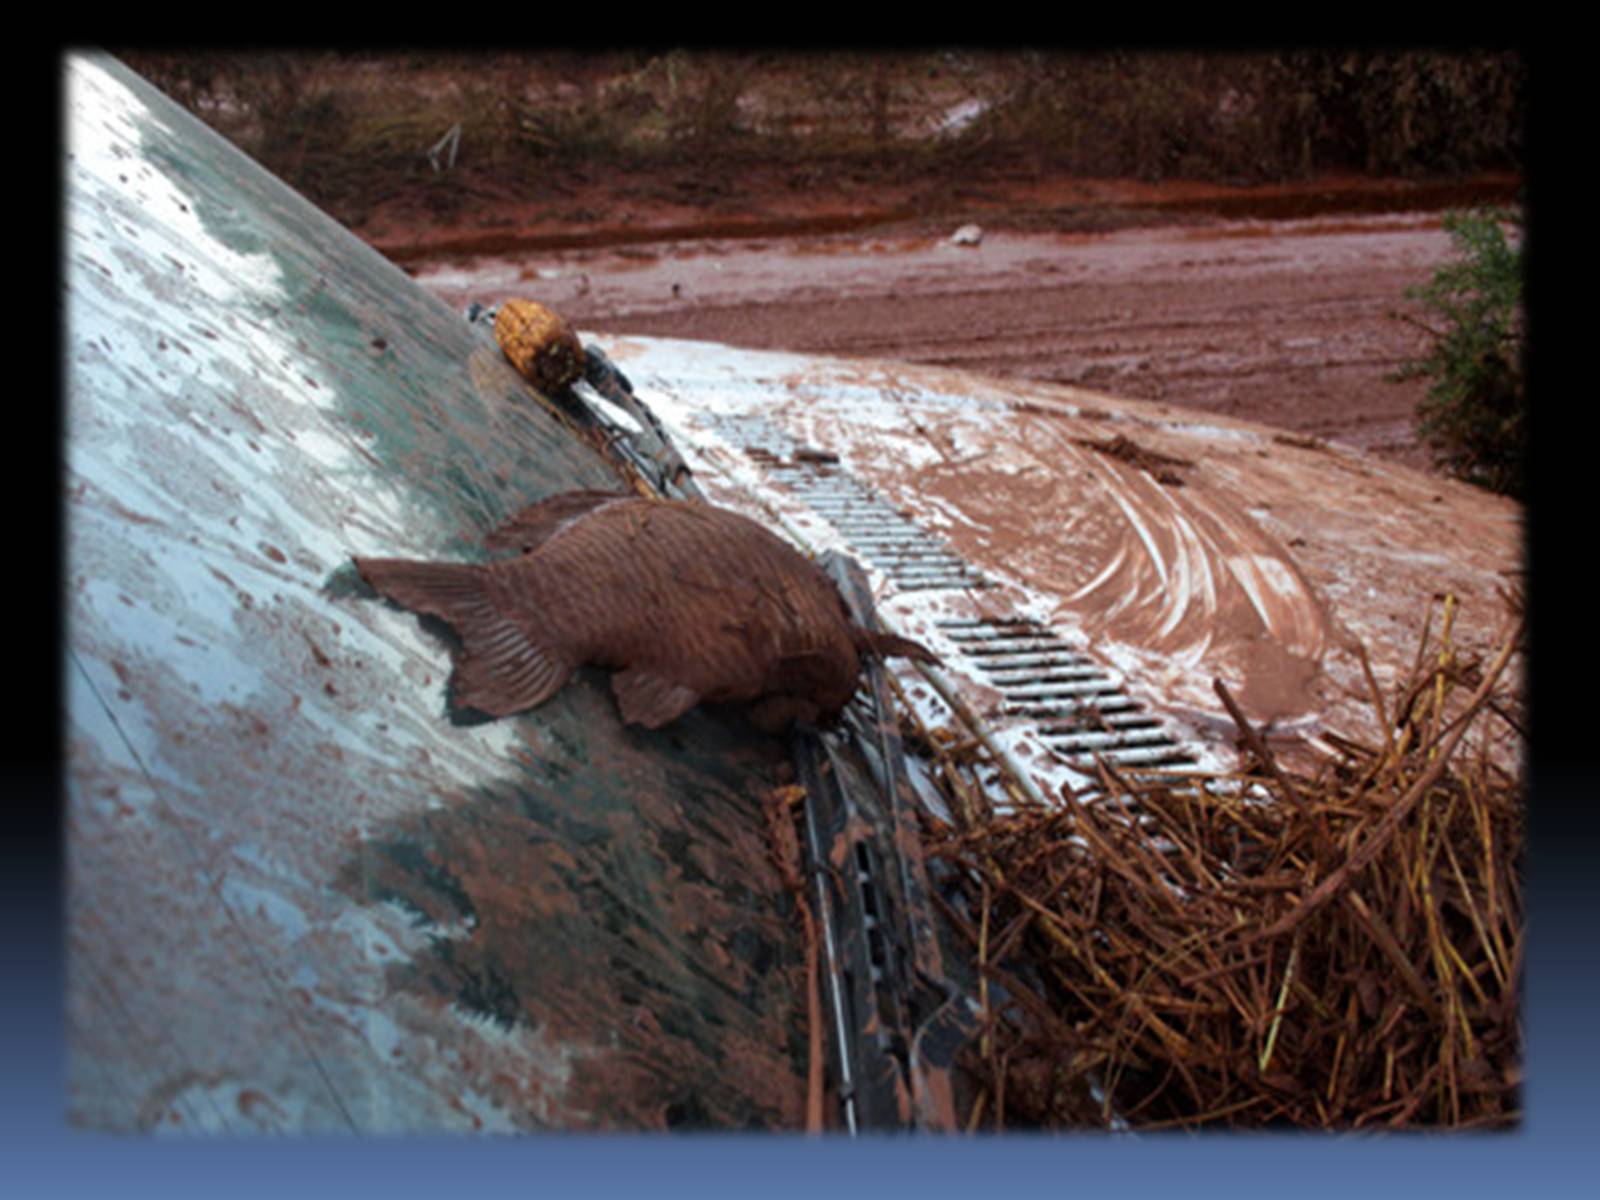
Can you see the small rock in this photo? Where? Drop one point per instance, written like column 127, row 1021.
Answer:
column 967, row 235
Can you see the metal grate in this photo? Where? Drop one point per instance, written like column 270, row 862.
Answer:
column 912, row 558
column 1081, row 710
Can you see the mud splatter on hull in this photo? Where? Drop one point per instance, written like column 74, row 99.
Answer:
column 300, row 897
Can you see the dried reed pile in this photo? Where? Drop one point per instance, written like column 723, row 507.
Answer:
column 1337, row 947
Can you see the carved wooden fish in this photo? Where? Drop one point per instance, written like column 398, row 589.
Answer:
column 684, row 601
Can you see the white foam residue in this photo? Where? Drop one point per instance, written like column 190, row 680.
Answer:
column 1131, row 511
column 1256, row 574
column 104, row 118
column 270, row 904
column 164, row 318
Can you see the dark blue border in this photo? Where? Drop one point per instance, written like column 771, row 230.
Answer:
column 1555, row 1152
column 1557, row 1143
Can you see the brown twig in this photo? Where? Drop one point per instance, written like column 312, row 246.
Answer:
column 1379, row 838
column 1150, row 915
column 1258, row 746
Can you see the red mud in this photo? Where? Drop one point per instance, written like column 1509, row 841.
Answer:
column 1279, row 306
column 1274, row 304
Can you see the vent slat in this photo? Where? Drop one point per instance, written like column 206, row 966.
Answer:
column 1079, row 710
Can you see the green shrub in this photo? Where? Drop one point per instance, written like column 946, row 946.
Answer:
column 1475, row 415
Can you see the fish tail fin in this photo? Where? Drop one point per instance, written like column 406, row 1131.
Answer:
column 501, row 668
column 439, row 589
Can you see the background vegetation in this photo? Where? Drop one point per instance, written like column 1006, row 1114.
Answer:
column 1476, row 412
column 352, row 130
column 346, row 127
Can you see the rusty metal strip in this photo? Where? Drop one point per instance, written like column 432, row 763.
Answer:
column 906, row 1019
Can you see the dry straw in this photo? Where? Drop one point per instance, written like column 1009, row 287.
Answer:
column 1336, row 946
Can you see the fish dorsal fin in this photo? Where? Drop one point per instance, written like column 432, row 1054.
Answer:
column 892, row 645
column 501, row 668
column 535, row 524
column 651, row 700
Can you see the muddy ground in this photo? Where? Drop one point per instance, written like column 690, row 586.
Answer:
column 1282, row 304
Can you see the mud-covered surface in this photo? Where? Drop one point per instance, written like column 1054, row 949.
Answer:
column 304, row 894
column 1271, row 304
column 1282, row 306
column 1177, row 547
